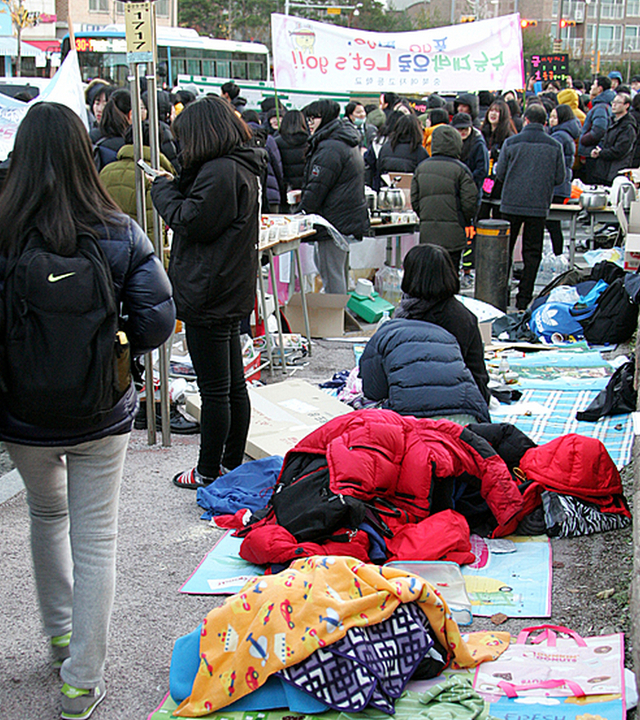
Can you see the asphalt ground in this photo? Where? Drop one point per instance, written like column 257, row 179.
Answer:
column 162, row 539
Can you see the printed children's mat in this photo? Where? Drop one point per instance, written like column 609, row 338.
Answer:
column 223, row 571
column 511, row 576
column 547, row 414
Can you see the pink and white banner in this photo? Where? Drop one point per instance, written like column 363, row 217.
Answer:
column 313, row 56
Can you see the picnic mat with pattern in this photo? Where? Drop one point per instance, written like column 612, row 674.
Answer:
column 553, row 414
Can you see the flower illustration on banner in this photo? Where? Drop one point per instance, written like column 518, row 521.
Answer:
column 304, row 38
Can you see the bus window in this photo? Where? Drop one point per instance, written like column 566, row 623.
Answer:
column 223, row 69
column 256, row 71
column 239, row 70
column 178, row 67
column 194, row 67
column 208, row 68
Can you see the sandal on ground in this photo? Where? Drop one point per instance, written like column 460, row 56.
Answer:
column 191, row 479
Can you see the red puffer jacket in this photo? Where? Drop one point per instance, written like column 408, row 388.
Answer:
column 378, row 453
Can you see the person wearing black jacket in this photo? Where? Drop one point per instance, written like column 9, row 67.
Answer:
column 475, row 154
column 403, row 151
column 615, row 151
column 334, row 188
column 292, row 142
column 213, row 210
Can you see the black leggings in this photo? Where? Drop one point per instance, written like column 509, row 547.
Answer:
column 225, row 414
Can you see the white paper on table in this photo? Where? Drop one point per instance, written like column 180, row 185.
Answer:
column 522, row 408
column 635, row 417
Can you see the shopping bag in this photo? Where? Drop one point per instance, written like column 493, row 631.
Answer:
column 552, row 666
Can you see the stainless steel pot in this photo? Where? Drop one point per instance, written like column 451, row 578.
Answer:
column 391, row 198
column 627, row 195
column 593, row 200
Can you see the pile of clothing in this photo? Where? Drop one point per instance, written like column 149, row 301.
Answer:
column 379, row 486
column 298, row 639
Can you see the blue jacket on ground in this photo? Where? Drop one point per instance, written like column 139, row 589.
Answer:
column 416, row 367
column 531, row 164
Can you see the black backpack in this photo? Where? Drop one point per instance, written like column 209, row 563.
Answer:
column 618, row 398
column 615, row 318
column 61, row 352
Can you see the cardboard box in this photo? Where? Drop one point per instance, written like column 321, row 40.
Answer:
column 284, row 413
column 326, row 314
column 631, row 230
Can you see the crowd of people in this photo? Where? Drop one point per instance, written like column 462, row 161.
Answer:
column 71, row 196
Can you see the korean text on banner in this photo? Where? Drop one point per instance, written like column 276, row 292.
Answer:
column 312, row 56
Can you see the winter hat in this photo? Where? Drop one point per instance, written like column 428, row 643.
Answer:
column 461, row 120
column 439, row 116
column 435, row 101
column 615, row 75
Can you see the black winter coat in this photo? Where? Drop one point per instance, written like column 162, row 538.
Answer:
column 293, row 149
column 400, row 159
column 334, row 180
column 443, row 193
column 213, row 211
column 475, row 156
column 566, row 134
column 143, row 288
column 417, row 369
column 453, row 316
column 618, row 145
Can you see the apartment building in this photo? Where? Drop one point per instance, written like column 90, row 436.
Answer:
column 614, row 25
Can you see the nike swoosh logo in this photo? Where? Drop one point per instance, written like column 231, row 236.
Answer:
column 55, row 278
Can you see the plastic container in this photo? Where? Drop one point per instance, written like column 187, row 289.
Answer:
column 370, row 308
column 447, row 579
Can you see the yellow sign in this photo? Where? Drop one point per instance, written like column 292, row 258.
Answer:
column 139, row 27
column 333, row 11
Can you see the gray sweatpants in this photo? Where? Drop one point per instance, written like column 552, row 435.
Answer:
column 333, row 266
column 73, row 495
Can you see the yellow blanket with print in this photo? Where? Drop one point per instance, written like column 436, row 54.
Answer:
column 279, row 620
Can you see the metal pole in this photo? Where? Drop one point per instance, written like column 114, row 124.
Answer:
column 141, row 211
column 453, row 12
column 596, row 64
column 559, row 27
column 154, row 146
column 287, row 7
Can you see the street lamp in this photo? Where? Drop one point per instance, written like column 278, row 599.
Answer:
column 629, row 50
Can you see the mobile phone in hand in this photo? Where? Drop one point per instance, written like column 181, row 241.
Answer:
column 148, row 170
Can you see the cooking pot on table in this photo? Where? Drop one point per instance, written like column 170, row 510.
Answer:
column 390, row 198
column 593, row 200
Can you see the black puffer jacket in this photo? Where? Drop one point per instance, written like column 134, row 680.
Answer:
column 334, row 180
column 443, row 193
column 213, row 211
column 293, row 149
column 618, row 146
column 417, row 369
column 143, row 288
column 471, row 100
column 401, row 158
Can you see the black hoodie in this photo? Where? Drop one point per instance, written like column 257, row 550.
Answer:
column 213, row 210
column 334, row 180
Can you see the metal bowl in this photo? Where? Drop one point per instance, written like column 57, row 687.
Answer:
column 593, row 200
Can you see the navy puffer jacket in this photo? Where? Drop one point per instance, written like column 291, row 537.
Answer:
column 143, row 288
column 417, row 369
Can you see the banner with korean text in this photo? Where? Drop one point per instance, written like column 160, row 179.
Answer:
column 313, row 56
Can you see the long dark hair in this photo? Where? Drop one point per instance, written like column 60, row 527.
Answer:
column 406, row 130
column 293, row 122
column 208, row 129
column 52, row 184
column 115, row 116
column 429, row 273
column 504, row 129
column 326, row 110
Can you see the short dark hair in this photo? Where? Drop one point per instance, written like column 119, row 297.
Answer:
column 326, row 110
column 635, row 78
column 115, row 116
column 625, row 98
column 578, row 85
column 208, row 129
column 350, row 107
column 230, row 89
column 251, row 116
column 604, row 82
column 536, row 114
column 564, row 113
column 293, row 122
column 429, row 273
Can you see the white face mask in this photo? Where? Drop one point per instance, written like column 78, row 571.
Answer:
column 358, row 122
